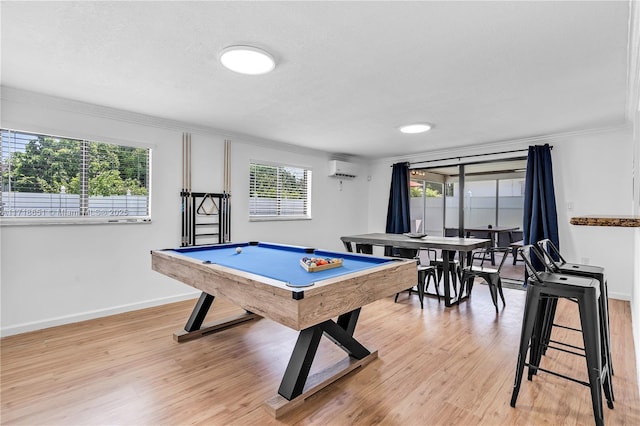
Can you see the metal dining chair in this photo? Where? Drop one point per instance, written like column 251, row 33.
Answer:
column 426, row 272
column 490, row 275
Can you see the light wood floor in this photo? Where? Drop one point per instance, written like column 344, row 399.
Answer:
column 435, row 366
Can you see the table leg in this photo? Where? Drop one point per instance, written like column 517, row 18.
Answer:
column 445, row 274
column 348, row 321
column 295, row 376
column 341, row 333
column 194, row 327
column 199, row 312
column 452, row 279
column 494, row 236
column 297, row 385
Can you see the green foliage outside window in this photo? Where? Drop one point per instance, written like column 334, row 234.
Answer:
column 47, row 164
column 277, row 182
column 431, row 190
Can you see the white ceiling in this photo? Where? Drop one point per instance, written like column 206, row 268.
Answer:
column 348, row 74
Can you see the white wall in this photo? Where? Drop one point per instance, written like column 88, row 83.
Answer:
column 58, row 274
column 595, row 173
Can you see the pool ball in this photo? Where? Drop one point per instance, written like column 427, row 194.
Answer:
column 238, row 249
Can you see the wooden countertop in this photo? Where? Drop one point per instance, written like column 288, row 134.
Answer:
column 600, row 220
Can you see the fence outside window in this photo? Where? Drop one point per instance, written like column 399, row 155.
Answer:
column 51, row 177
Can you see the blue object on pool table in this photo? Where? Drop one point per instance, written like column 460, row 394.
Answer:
column 279, row 262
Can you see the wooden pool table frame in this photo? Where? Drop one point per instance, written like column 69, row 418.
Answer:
column 309, row 310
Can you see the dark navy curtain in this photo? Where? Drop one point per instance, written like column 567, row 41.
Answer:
column 540, row 219
column 398, row 217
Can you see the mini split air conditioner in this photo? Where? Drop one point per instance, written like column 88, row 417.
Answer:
column 342, row 169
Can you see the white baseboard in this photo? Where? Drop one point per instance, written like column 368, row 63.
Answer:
column 83, row 316
column 619, row 296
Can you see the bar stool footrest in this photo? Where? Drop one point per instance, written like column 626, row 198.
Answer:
column 583, row 383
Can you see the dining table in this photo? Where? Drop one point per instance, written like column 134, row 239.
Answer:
column 449, row 246
column 491, row 232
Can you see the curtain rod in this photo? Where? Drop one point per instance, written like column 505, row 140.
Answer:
column 473, row 155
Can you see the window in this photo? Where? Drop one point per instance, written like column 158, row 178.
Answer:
column 426, row 206
column 54, row 178
column 279, row 192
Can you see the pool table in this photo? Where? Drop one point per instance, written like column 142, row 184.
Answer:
column 268, row 280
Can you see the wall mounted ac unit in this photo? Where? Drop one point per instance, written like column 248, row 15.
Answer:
column 342, row 169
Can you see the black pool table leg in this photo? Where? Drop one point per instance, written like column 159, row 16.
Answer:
column 295, row 376
column 344, row 340
column 199, row 312
column 349, row 320
column 194, row 327
column 341, row 333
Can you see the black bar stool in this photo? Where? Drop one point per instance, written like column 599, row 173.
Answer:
column 556, row 263
column 543, row 287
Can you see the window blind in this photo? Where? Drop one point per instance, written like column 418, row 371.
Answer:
column 45, row 176
column 279, row 191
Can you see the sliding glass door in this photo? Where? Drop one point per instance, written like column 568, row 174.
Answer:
column 427, row 206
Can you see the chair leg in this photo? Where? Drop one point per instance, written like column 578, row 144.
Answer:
column 537, row 339
column 528, row 321
column 422, row 276
column 464, row 286
column 588, row 306
column 494, row 292
column 432, row 274
column 548, row 327
column 604, row 320
column 435, row 284
column 548, row 318
column 464, row 283
column 454, row 279
column 608, row 388
column 499, row 285
column 606, row 346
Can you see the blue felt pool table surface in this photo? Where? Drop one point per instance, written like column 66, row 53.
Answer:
column 279, row 262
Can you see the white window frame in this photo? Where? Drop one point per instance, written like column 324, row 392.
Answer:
column 102, row 218
column 279, row 216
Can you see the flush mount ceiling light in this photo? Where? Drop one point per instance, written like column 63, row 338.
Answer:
column 247, row 60
column 416, row 128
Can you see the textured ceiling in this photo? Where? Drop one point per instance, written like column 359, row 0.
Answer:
column 348, row 74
